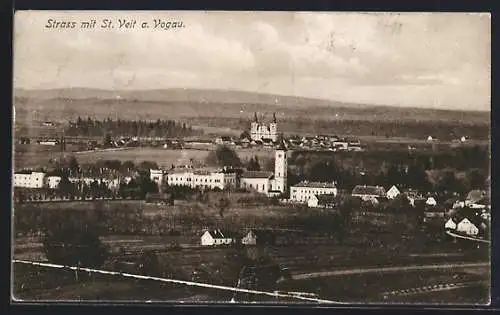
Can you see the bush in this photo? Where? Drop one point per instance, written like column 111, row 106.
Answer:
column 69, row 246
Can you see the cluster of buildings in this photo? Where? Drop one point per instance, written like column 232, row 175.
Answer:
column 38, row 180
column 326, row 143
column 269, row 183
column 218, row 237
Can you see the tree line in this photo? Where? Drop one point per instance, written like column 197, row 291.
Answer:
column 133, row 128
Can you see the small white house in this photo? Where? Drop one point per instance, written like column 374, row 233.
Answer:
column 393, row 192
column 431, row 201
column 249, row 239
column 467, row 227
column 322, row 201
column 216, row 237
column 450, row 224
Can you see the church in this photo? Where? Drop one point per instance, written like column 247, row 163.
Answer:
column 269, row 183
column 260, row 130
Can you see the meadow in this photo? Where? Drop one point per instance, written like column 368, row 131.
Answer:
column 30, row 156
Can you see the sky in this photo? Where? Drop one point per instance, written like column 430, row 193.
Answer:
column 432, row 60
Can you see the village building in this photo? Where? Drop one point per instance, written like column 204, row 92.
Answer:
column 260, row 131
column 259, row 181
column 474, row 197
column 259, row 237
column 322, row 201
column 216, row 238
column 49, row 142
column 156, row 176
column 29, row 179
column 369, row 192
column 393, row 192
column 202, row 178
column 304, row 191
column 431, row 201
column 269, row 183
column 53, row 181
column 450, row 224
column 467, row 227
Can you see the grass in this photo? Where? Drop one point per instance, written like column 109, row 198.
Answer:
column 365, row 288
column 36, row 155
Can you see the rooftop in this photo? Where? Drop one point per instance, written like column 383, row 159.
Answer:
column 326, row 198
column 257, row 174
column 315, row 184
column 220, row 234
column 369, row 190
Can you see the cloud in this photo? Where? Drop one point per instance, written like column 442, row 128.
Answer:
column 390, row 58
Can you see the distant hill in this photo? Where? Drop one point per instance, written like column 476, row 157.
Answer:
column 63, row 104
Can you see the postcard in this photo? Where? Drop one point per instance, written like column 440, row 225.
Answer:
column 251, row 157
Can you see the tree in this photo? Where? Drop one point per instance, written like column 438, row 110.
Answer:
column 245, row 135
column 107, row 140
column 222, row 205
column 253, row 164
column 150, row 264
column 223, row 156
column 74, row 246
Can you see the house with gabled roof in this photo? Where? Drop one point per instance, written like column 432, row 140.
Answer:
column 431, row 201
column 217, row 237
column 322, row 201
column 467, row 227
column 393, row 192
column 474, row 196
column 450, row 224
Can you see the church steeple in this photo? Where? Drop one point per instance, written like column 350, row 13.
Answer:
column 255, row 117
column 274, row 117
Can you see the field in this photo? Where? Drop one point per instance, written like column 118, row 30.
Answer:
column 36, row 155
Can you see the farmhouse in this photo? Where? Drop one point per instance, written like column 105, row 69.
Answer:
column 450, row 224
column 322, row 201
column 304, row 191
column 467, row 227
column 368, row 192
column 474, row 196
column 260, row 131
column 259, row 237
column 217, row 237
column 431, row 201
column 29, row 179
column 393, row 192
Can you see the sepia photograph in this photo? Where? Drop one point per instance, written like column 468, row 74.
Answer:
column 262, row 157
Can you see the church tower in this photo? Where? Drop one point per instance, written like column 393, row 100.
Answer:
column 273, row 129
column 280, row 167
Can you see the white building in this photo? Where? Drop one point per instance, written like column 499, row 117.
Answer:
column 393, row 192
column 156, row 176
column 216, row 237
column 29, row 179
column 450, row 224
column 205, row 179
column 467, row 227
column 259, row 130
column 305, row 190
column 53, row 181
column 431, row 201
column 267, row 182
column 322, row 201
